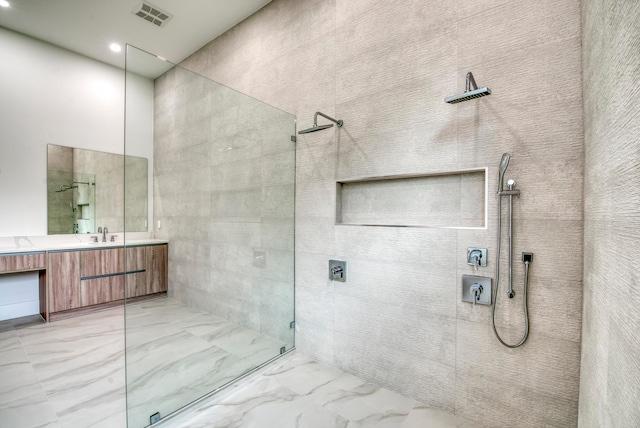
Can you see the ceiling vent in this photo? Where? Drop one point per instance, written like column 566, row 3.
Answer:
column 152, row 13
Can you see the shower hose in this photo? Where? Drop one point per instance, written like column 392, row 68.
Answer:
column 526, row 277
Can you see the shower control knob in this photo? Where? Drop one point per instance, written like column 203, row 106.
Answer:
column 476, row 290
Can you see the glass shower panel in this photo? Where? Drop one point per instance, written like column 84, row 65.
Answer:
column 223, row 174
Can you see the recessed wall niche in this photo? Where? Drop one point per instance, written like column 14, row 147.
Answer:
column 452, row 199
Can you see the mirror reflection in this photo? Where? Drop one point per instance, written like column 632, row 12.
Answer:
column 85, row 188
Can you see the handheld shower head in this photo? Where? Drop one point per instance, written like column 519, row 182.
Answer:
column 315, row 126
column 504, row 163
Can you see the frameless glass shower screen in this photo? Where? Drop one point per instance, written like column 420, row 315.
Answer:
column 223, row 181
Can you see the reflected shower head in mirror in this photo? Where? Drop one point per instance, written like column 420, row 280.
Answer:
column 471, row 91
column 504, row 163
column 321, row 127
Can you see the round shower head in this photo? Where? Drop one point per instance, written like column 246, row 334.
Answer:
column 315, row 128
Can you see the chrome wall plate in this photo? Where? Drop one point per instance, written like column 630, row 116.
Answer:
column 473, row 251
column 338, row 270
column 470, row 283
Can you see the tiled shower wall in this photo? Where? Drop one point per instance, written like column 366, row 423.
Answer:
column 385, row 68
column 224, row 171
column 610, row 380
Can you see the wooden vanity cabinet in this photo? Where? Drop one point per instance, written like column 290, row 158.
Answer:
column 22, row 262
column 84, row 278
column 29, row 262
column 136, row 266
column 108, row 261
column 157, row 260
column 101, row 276
column 64, row 281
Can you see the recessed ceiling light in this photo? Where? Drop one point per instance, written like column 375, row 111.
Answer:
column 4, row 3
column 113, row 46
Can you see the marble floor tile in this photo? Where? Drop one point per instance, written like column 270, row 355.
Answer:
column 297, row 392
column 71, row 374
column 176, row 354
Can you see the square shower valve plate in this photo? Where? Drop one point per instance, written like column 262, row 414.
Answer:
column 484, row 297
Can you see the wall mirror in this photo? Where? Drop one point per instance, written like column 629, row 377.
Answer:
column 88, row 189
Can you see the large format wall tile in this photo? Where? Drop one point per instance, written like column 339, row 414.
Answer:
column 610, row 368
column 384, row 68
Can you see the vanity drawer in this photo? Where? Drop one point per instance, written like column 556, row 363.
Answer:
column 22, row 262
column 101, row 262
column 101, row 290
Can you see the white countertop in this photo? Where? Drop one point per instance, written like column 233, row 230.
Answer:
column 30, row 244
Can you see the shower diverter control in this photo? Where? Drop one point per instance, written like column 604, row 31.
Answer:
column 338, row 270
column 477, row 289
column 477, row 257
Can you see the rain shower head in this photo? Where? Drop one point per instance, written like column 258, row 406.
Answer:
column 471, row 92
column 504, row 163
column 315, row 126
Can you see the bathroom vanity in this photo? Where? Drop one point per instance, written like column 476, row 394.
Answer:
column 76, row 280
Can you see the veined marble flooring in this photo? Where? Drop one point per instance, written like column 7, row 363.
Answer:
column 71, row 374
column 176, row 354
column 296, row 392
column 68, row 373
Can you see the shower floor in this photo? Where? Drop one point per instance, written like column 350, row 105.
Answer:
column 295, row 391
column 70, row 373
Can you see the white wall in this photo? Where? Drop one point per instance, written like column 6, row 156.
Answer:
column 54, row 96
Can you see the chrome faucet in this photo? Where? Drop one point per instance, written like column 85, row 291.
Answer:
column 104, row 234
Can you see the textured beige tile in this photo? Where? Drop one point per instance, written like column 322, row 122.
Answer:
column 430, row 291
column 404, row 42
column 277, row 233
column 349, row 11
column 424, row 416
column 431, row 201
column 467, row 8
column 419, row 149
column 316, row 340
column 278, row 169
column 312, row 270
column 544, row 365
column 399, row 370
column 499, row 403
column 526, row 24
column 315, row 305
column 594, row 357
column 384, row 68
column 434, row 248
column 315, row 235
column 423, row 333
column 316, row 155
column 409, row 107
column 316, row 199
column 277, row 201
column 623, row 373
